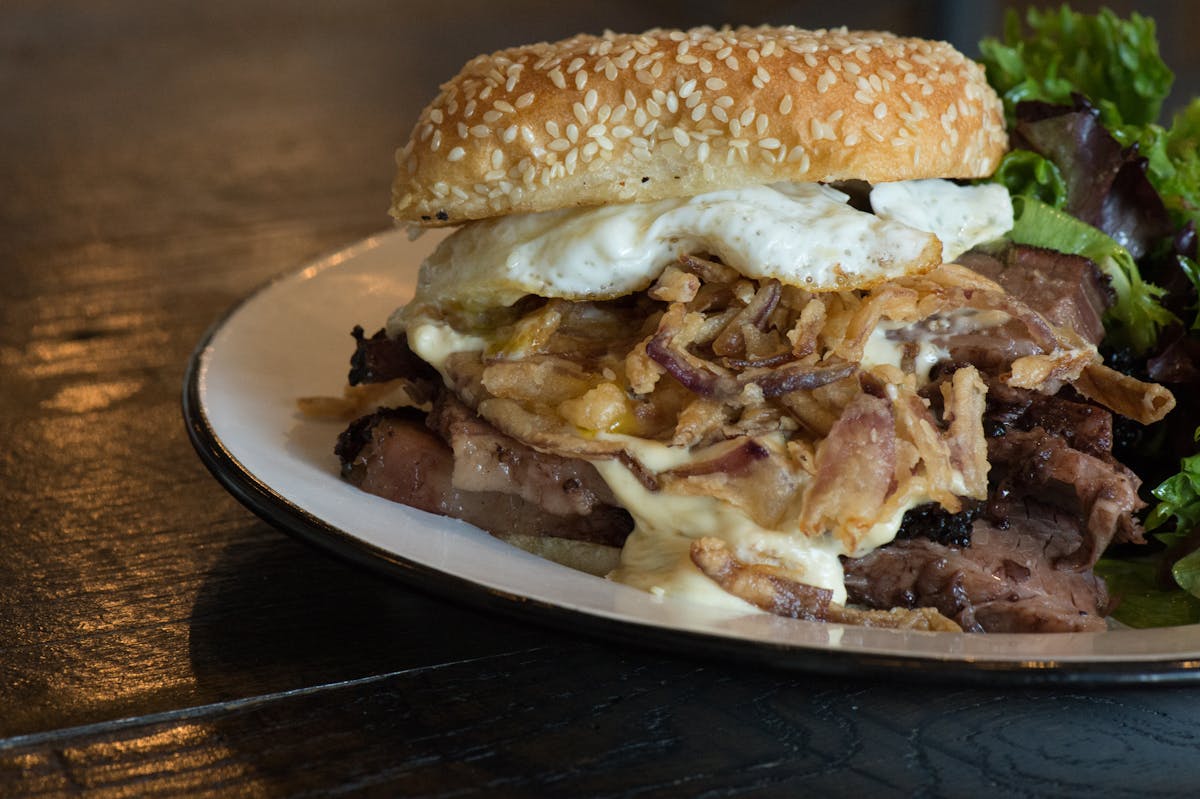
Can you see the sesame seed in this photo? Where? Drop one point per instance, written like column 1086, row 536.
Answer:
column 761, row 124
column 437, row 141
column 580, row 80
column 457, row 154
column 785, row 105
column 826, row 80
column 573, row 132
column 732, row 63
column 509, row 135
column 589, row 100
column 581, row 113
column 556, row 77
column 575, row 65
column 763, row 75
column 462, row 130
column 719, row 114
column 769, row 144
column 436, row 116
column 525, row 100
column 622, row 132
column 503, row 106
column 880, row 111
column 747, row 116
column 680, row 136
column 559, row 145
column 492, row 116
column 699, row 111
column 714, row 84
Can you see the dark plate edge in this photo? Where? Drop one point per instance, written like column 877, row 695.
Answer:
column 280, row 513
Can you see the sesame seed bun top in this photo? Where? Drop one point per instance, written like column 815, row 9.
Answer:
column 622, row 117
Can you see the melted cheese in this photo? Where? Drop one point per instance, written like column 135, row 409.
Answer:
column 880, row 350
column 803, row 234
column 960, row 216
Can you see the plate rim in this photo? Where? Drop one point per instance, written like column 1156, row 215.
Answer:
column 281, row 513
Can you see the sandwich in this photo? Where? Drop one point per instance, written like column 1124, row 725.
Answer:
column 729, row 316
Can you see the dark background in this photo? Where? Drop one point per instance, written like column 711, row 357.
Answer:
column 157, row 162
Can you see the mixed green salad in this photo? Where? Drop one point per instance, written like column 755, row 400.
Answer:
column 1095, row 171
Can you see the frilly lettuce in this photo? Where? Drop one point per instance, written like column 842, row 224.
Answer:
column 1113, row 62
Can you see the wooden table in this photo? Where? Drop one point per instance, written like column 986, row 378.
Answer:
column 157, row 162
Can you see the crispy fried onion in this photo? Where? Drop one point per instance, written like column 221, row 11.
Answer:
column 763, row 587
column 782, row 395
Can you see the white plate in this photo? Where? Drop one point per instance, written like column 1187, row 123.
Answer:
column 291, row 339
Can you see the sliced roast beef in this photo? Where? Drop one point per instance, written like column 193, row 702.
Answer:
column 1085, row 427
column 1005, row 581
column 1066, row 289
column 378, row 359
column 1101, row 493
column 487, row 460
column 392, row 454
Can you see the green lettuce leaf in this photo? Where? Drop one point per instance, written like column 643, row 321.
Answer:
column 1143, row 601
column 1113, row 62
column 1136, row 317
column 1025, row 173
column 1174, row 160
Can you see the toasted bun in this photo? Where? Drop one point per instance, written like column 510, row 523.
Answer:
column 621, row 117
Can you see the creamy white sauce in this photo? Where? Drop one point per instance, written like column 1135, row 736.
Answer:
column 656, row 556
column 435, row 342
column 881, row 350
column 960, row 216
column 803, row 234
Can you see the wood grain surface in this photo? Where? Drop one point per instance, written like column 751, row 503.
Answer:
column 158, row 161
